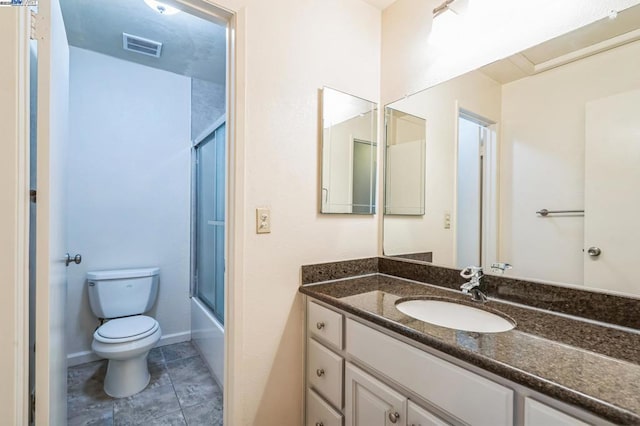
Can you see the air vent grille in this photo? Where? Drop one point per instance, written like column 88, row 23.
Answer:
column 141, row 45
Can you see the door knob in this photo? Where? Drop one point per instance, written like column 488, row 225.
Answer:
column 594, row 251
column 393, row 417
column 75, row 259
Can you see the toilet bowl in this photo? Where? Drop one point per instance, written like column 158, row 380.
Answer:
column 126, row 342
column 125, row 339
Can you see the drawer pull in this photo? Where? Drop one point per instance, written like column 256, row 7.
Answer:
column 393, row 417
column 319, row 325
column 319, row 424
column 320, row 372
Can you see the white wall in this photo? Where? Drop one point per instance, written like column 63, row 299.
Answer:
column 129, row 185
column 287, row 50
column 542, row 157
column 492, row 29
column 474, row 92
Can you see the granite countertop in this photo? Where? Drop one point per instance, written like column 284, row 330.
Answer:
column 589, row 365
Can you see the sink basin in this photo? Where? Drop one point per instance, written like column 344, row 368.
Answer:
column 454, row 315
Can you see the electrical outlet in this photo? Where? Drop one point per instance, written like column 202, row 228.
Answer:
column 447, row 220
column 263, row 220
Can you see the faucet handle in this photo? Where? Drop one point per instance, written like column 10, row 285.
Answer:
column 500, row 267
column 471, row 271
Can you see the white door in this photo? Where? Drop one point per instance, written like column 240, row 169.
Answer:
column 612, row 198
column 369, row 402
column 14, row 213
column 51, row 275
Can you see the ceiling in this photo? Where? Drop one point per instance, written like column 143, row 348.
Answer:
column 191, row 46
column 594, row 38
column 380, row 4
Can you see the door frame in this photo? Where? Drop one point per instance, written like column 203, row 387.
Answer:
column 14, row 226
column 17, row 214
column 490, row 170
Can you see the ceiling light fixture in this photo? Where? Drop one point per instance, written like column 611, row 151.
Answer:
column 161, row 8
column 456, row 6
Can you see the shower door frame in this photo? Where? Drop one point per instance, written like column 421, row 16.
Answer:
column 195, row 144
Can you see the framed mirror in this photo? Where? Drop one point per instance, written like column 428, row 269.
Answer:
column 349, row 153
column 534, row 161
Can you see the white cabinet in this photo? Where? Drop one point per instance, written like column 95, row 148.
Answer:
column 539, row 414
column 418, row 416
column 369, row 402
column 324, row 372
column 465, row 395
column 320, row 413
column 324, row 366
column 340, row 349
column 324, row 324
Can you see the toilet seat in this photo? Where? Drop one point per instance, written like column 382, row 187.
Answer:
column 122, row 330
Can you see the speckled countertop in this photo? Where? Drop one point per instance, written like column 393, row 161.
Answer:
column 588, row 365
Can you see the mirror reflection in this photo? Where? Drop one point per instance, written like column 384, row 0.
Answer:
column 534, row 161
column 405, row 162
column 349, row 153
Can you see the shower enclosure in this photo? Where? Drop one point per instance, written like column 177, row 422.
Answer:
column 208, row 246
column 209, row 218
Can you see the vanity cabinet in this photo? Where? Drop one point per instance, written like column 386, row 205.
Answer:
column 324, row 366
column 539, row 414
column 357, row 375
column 418, row 416
column 370, row 402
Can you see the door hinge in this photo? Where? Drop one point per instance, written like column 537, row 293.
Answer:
column 32, row 408
column 32, row 31
column 33, row 195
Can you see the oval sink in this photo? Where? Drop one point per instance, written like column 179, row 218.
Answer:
column 454, row 315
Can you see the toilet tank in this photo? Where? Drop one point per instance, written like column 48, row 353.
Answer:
column 122, row 292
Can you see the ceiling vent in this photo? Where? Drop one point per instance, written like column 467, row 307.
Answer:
column 141, row 45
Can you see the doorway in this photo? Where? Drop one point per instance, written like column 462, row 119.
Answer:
column 476, row 188
column 126, row 194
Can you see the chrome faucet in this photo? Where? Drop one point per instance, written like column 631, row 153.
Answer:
column 474, row 274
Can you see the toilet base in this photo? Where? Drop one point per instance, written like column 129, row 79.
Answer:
column 127, row 377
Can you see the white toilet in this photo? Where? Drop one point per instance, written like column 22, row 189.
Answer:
column 121, row 297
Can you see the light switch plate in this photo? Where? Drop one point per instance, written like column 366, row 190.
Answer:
column 263, row 220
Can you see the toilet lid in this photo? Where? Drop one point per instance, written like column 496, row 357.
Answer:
column 128, row 327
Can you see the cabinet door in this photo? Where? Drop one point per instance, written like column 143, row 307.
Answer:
column 418, row 416
column 369, row 402
column 320, row 413
column 538, row 414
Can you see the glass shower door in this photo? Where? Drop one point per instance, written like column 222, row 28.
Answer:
column 209, row 217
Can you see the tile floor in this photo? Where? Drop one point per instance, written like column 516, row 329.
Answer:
column 181, row 392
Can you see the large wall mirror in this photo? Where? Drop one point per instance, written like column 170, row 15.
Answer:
column 349, row 153
column 534, row 161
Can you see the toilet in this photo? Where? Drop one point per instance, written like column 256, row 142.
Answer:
column 125, row 339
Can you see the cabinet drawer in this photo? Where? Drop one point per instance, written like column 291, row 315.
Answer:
column 466, row 395
column 418, row 416
column 324, row 324
column 325, row 372
column 319, row 413
column 539, row 414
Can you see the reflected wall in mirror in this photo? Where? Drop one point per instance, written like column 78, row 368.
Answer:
column 349, row 153
column 555, row 127
column 405, row 162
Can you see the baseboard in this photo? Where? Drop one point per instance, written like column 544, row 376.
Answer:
column 170, row 339
column 83, row 357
